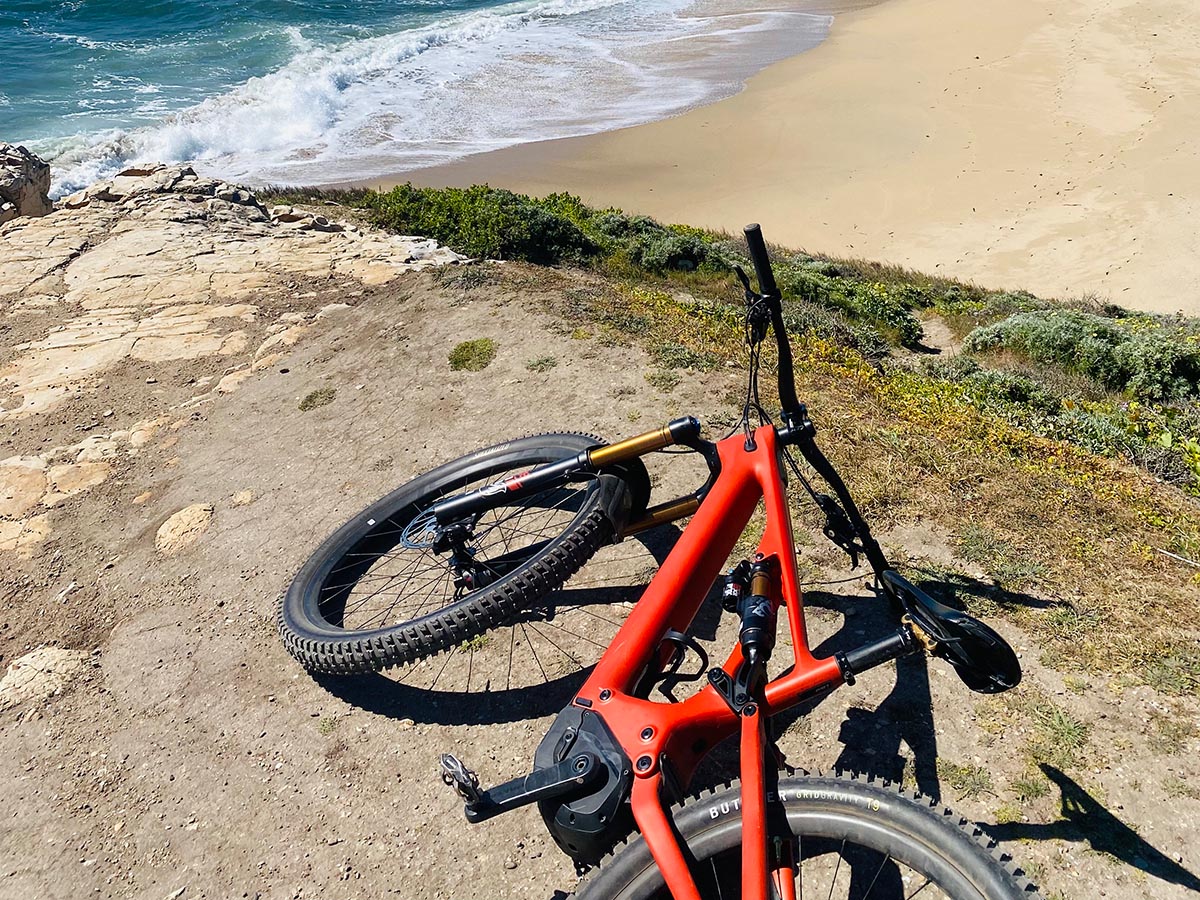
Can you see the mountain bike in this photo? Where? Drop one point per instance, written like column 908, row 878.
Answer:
column 487, row 540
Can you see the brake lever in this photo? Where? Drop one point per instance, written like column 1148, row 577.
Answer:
column 839, row 529
column 758, row 315
column 745, row 280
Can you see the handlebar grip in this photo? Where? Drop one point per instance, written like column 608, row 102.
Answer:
column 762, row 262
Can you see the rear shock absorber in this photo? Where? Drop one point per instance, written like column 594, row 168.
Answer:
column 748, row 590
column 757, row 635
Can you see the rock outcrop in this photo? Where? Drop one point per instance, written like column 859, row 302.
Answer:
column 161, row 264
column 24, row 184
column 158, row 266
column 39, row 675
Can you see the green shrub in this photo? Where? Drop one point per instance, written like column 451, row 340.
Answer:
column 1148, row 358
column 489, row 222
column 804, row 318
column 473, row 356
column 998, row 388
column 967, row 308
column 1160, row 439
column 483, row 222
column 890, row 307
column 886, row 307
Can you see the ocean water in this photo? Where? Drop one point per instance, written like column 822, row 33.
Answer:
column 322, row 91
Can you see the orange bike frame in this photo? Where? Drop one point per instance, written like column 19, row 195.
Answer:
column 685, row 732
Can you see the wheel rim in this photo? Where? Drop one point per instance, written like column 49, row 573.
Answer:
column 392, row 575
column 863, row 842
column 827, row 869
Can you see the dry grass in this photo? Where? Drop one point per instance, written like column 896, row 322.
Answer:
column 1078, row 533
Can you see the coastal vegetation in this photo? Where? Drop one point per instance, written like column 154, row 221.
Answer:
column 474, row 355
column 1112, row 381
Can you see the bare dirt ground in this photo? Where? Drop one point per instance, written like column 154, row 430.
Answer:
column 191, row 757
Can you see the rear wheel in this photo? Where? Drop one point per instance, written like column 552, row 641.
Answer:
column 382, row 590
column 852, row 837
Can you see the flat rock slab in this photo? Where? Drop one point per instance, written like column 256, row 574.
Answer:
column 39, row 675
column 22, row 483
column 183, row 529
column 161, row 264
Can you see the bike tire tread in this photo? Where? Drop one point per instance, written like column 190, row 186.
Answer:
column 491, row 608
column 1024, row 886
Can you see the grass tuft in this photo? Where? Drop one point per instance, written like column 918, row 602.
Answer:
column 320, row 397
column 663, row 379
column 1058, row 737
column 1176, row 788
column 1032, row 786
column 473, row 356
column 969, row 781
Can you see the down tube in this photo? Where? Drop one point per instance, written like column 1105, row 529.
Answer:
column 676, row 592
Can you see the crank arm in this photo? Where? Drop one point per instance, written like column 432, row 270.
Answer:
column 570, row 776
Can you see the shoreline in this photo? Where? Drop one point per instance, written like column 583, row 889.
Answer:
column 1049, row 149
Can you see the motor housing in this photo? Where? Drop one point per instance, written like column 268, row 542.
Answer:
column 587, row 827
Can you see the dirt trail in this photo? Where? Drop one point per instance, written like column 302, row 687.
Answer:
column 191, row 757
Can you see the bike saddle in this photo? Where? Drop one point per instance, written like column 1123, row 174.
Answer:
column 983, row 660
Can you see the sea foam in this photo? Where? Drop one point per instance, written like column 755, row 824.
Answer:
column 440, row 90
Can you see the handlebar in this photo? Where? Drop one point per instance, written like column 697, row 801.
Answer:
column 762, row 263
column 793, row 410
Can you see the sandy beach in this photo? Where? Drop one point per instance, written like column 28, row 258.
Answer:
column 1046, row 146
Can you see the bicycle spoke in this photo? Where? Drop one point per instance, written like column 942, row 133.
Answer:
column 445, row 663
column 512, row 637
column 836, row 869
column 878, row 872
column 556, row 646
column 800, row 866
column 926, row 884
column 435, row 599
column 533, row 652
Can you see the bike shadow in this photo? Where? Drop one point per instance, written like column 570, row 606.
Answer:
column 873, row 739
column 1084, row 819
column 969, row 594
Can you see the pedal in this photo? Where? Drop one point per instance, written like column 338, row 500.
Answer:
column 572, row 776
column 463, row 780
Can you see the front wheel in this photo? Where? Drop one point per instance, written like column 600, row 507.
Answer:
column 850, row 837
column 385, row 589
